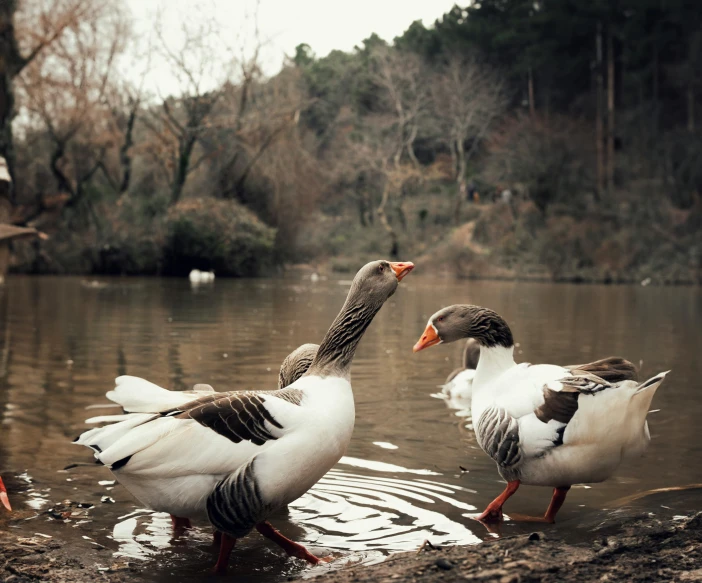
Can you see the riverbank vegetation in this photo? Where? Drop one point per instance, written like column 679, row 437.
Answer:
column 556, row 140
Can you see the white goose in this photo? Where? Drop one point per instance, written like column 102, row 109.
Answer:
column 458, row 387
column 235, row 458
column 546, row 425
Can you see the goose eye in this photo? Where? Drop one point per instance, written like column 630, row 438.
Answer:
column 381, row 268
column 440, row 319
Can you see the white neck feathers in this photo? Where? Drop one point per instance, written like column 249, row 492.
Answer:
column 492, row 363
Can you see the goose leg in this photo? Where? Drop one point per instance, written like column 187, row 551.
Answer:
column 180, row 524
column 216, row 538
column 559, row 496
column 3, row 496
column 493, row 513
column 292, row 548
column 225, row 550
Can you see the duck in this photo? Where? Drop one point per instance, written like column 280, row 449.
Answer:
column 458, row 387
column 235, row 458
column 546, row 425
column 3, row 496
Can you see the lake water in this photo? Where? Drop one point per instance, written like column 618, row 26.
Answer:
column 63, row 340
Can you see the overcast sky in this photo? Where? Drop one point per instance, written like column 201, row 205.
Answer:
column 323, row 24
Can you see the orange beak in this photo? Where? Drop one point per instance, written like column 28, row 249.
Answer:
column 429, row 338
column 3, row 496
column 402, row 269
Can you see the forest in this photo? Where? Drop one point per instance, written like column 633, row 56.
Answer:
column 544, row 139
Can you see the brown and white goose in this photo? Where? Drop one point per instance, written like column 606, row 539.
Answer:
column 546, row 425
column 296, row 364
column 235, row 458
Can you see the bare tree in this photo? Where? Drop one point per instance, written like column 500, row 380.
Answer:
column 65, row 90
column 124, row 99
column 371, row 153
column 183, row 119
column 467, row 99
column 27, row 29
column 405, row 94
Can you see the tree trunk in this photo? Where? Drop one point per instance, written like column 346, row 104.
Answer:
column 11, row 63
column 394, row 248
column 530, row 84
column 599, row 129
column 610, row 109
column 64, row 185
column 410, row 146
column 124, row 158
column 460, row 179
column 181, row 171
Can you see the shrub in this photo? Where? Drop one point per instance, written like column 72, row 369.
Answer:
column 220, row 235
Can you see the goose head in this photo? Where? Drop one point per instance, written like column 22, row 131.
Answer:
column 460, row 321
column 376, row 281
column 3, row 496
column 296, row 364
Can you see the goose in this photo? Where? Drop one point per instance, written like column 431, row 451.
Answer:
column 3, row 496
column 546, row 425
column 459, row 385
column 196, row 276
column 296, row 364
column 235, row 458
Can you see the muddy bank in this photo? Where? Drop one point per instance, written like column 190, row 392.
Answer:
column 26, row 559
column 639, row 549
column 619, row 548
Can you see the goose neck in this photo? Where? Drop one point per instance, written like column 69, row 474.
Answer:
column 494, row 361
column 339, row 345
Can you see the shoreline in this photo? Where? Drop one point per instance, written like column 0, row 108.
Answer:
column 629, row 547
column 625, row 545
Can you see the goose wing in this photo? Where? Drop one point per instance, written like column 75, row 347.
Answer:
column 613, row 369
column 574, row 409
column 213, row 434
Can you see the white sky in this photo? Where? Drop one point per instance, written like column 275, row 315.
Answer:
column 323, row 24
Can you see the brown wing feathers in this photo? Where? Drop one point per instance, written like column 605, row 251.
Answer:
column 239, row 416
column 612, row 369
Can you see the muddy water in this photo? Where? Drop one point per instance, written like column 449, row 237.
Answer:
column 63, row 340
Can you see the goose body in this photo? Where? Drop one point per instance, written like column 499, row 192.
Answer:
column 547, row 425
column 458, row 388
column 196, row 276
column 172, row 458
column 235, row 458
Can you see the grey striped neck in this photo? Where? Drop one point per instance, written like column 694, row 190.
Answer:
column 338, row 347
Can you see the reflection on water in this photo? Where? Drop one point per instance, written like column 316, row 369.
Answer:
column 403, row 481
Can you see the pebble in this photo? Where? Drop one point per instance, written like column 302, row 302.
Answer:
column 444, row 564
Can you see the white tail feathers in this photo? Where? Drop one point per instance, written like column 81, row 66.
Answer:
column 651, row 384
column 100, row 438
column 137, row 395
column 643, row 396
